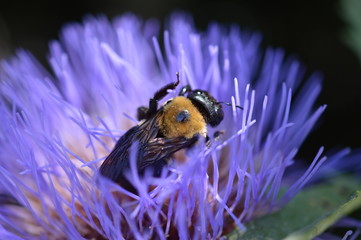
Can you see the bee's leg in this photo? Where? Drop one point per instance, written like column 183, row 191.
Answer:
column 146, row 113
column 185, row 90
column 208, row 141
column 216, row 136
column 142, row 113
column 161, row 93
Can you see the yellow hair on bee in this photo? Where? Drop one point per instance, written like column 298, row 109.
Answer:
column 169, row 125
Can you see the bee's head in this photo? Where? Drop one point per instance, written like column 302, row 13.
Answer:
column 181, row 118
column 210, row 108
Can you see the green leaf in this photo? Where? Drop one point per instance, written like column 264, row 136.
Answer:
column 318, row 227
column 311, row 212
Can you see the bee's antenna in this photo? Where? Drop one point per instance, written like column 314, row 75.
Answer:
column 228, row 104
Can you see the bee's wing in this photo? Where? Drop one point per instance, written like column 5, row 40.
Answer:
column 160, row 149
column 118, row 159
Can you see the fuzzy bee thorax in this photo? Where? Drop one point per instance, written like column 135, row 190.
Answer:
column 182, row 119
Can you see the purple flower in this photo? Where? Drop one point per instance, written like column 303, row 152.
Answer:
column 58, row 125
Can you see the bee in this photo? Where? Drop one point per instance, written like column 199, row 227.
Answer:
column 176, row 125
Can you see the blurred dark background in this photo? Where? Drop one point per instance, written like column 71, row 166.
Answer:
column 310, row 30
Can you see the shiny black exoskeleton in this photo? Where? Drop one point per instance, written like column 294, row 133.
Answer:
column 210, row 108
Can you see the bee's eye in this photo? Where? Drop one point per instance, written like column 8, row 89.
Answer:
column 183, row 116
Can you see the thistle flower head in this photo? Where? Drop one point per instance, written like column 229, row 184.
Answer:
column 58, row 125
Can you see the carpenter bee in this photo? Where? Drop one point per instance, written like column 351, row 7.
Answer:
column 176, row 125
